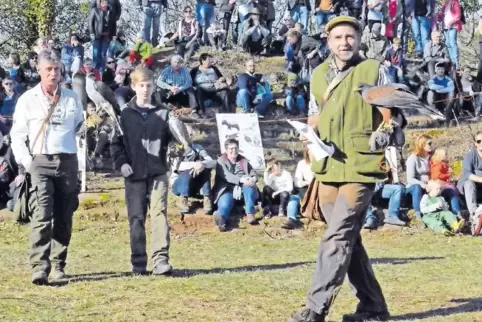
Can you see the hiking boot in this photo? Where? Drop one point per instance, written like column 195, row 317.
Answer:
column 184, row 205
column 250, row 219
column 220, row 221
column 59, row 274
column 290, row 224
column 458, row 225
column 162, row 267
column 207, row 205
column 307, row 315
column 476, row 226
column 391, row 220
column 371, row 224
column 267, row 212
column 366, row 316
column 40, row 278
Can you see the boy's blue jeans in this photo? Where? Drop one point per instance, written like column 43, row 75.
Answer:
column 453, row 49
column 295, row 102
column 421, row 32
column 225, row 203
column 188, row 186
column 300, row 13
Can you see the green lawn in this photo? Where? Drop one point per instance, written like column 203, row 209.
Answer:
column 243, row 275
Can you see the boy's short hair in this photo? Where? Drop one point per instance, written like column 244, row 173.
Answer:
column 141, row 74
column 88, row 60
column 396, row 41
column 433, row 184
column 228, row 142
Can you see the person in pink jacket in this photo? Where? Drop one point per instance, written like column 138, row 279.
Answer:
column 452, row 19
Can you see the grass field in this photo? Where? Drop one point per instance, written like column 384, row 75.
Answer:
column 256, row 274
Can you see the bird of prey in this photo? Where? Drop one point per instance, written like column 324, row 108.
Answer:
column 104, row 99
column 78, row 86
column 394, row 95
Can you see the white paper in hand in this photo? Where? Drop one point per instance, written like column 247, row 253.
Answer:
column 318, row 149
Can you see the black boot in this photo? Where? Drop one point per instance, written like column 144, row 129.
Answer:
column 366, row 316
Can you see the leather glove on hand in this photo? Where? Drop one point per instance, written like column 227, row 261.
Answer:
column 126, row 170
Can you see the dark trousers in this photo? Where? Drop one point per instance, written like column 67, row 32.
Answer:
column 341, row 250
column 184, row 98
column 220, row 96
column 53, row 200
column 141, row 196
column 227, row 22
column 280, row 199
column 186, row 49
column 188, row 186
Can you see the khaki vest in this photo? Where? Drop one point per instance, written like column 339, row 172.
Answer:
column 347, row 122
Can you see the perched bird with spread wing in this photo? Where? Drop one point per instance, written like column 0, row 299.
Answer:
column 394, row 95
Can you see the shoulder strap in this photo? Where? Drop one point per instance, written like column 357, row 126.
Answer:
column 47, row 119
column 334, row 83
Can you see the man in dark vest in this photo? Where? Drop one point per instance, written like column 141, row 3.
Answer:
column 345, row 181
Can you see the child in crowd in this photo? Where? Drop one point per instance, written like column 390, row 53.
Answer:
column 440, row 168
column 142, row 51
column 278, row 187
column 117, row 45
column 17, row 73
column 216, row 35
column 99, row 134
column 436, row 213
column 8, row 101
column 295, row 92
column 393, row 61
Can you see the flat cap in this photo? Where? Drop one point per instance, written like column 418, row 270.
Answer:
column 342, row 20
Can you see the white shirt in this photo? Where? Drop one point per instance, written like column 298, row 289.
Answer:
column 284, row 182
column 303, row 174
column 59, row 136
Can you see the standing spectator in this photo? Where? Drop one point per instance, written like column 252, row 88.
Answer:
column 479, row 71
column 115, row 6
column 256, row 37
column 394, row 13
column 88, row 69
column 266, row 11
column 154, row 20
column 17, row 73
column 8, row 101
column 278, row 186
column 205, row 16
column 102, row 27
column 376, row 10
column 117, row 45
column 210, row 84
column 420, row 13
column 441, row 90
column 436, row 213
column 303, row 178
column 141, row 154
column 187, row 35
column 50, row 116
column 216, row 36
column 435, row 52
column 191, row 176
column 235, row 180
column 300, row 11
column 30, row 69
column 226, row 9
column 248, row 84
column 452, row 18
column 376, row 42
column 324, row 12
column 176, row 85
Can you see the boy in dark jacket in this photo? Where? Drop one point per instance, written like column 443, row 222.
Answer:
column 140, row 153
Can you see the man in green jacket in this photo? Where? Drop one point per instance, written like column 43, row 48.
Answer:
column 345, row 181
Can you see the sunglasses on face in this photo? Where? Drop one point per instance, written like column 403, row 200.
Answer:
column 110, row 62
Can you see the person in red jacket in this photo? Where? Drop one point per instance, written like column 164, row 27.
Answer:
column 88, row 69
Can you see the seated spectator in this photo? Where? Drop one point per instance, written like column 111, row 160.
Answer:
column 362, row 51
column 30, row 70
column 117, row 45
column 435, row 52
column 441, row 90
column 376, row 42
column 192, row 175
column 252, row 91
column 99, row 133
column 393, row 61
column 123, row 91
column 108, row 76
column 303, row 177
column 235, row 180
column 176, row 85
column 256, row 37
column 392, row 192
column 8, row 100
column 11, row 174
column 216, row 35
column 187, row 35
column 418, row 171
column 470, row 182
column 16, row 72
column 469, row 88
column 210, row 84
column 40, row 44
column 436, row 213
column 142, row 51
column 292, row 51
column 376, row 10
column 3, row 73
column 320, row 53
column 278, row 185
column 295, row 102
column 278, row 44
column 440, row 168
column 88, row 69
column 72, row 51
